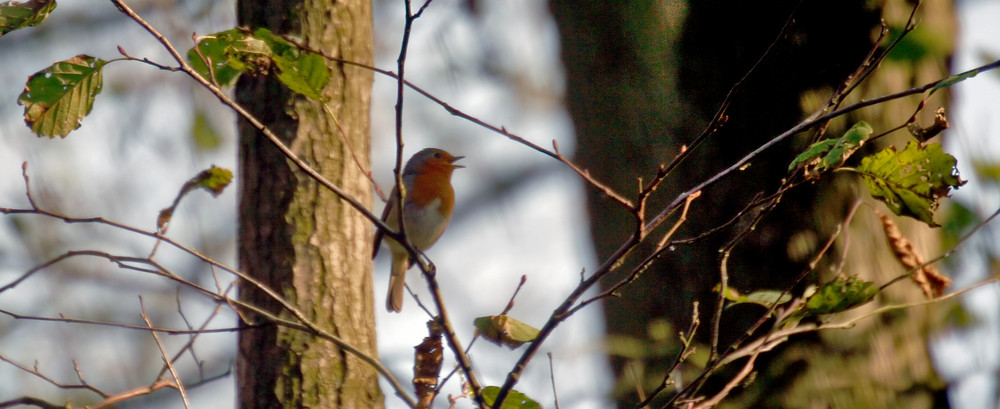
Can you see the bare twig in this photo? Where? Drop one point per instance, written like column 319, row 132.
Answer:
column 178, row 383
column 552, row 379
column 38, row 374
column 30, row 401
column 644, row 265
column 687, row 340
column 510, row 304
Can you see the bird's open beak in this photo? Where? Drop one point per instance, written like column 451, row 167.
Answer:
column 455, row 159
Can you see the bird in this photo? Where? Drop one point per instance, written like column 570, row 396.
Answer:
column 427, row 210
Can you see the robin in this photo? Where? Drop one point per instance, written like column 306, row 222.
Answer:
column 426, row 211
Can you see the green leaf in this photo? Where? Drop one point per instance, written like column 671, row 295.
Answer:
column 235, row 51
column 228, row 53
column 57, row 98
column 514, row 399
column 14, row 16
column 832, row 153
column 504, row 330
column 303, row 72
column 911, row 182
column 214, row 180
column 766, row 298
column 841, row 294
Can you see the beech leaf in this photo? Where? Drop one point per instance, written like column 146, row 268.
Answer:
column 57, row 98
column 841, row 294
column 831, row 153
column 911, row 182
column 504, row 330
column 14, row 15
column 514, row 399
column 233, row 52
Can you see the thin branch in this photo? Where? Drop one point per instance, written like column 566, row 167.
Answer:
column 510, row 304
column 561, row 313
column 170, row 331
column 720, row 117
column 166, row 359
column 717, row 362
column 30, row 401
column 116, row 399
column 644, row 265
column 585, row 174
column 189, row 345
column 552, row 379
column 687, row 341
column 783, row 334
column 38, row 374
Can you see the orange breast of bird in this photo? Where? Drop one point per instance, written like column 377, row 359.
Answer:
column 433, row 183
column 429, row 203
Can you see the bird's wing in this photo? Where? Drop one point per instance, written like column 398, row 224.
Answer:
column 385, row 217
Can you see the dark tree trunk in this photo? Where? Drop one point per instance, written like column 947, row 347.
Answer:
column 644, row 78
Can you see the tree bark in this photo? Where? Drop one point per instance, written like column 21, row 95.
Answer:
column 297, row 237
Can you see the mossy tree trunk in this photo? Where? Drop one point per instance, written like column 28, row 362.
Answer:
column 298, row 237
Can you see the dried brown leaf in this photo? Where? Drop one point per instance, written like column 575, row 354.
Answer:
column 930, row 280
column 427, row 364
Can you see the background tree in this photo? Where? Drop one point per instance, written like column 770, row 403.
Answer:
column 645, row 79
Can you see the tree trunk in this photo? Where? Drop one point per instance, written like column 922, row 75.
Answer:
column 297, row 237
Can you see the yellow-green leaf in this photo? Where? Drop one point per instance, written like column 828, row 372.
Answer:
column 57, row 98
column 14, row 15
column 514, row 399
column 214, row 179
column 504, row 330
column 841, row 294
column 911, row 182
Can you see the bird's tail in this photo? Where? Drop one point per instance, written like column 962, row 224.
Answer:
column 397, row 282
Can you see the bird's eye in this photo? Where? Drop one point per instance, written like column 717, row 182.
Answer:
column 437, row 155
